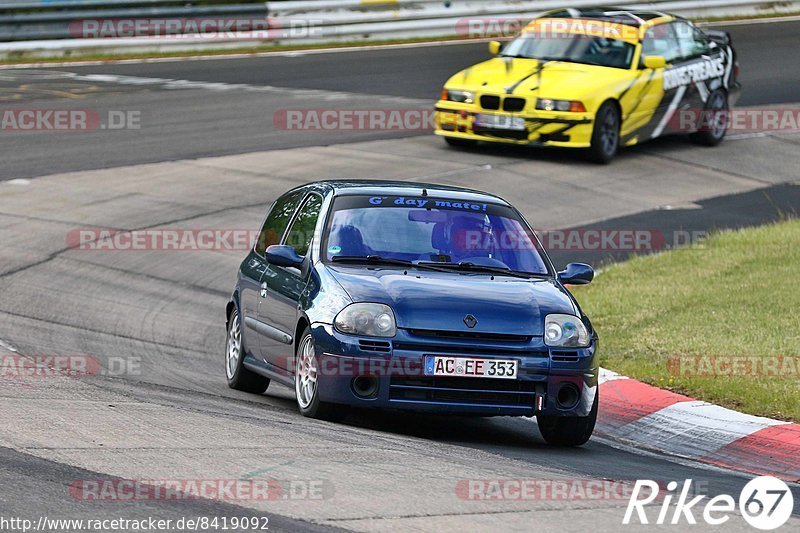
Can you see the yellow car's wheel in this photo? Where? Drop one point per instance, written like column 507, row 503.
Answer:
column 714, row 124
column 605, row 137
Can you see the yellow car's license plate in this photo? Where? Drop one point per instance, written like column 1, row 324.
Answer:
column 470, row 367
column 499, row 122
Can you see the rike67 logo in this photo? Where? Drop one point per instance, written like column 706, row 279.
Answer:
column 766, row 503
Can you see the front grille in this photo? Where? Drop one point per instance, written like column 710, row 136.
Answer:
column 480, row 391
column 375, row 346
column 514, row 104
column 490, row 102
column 472, row 335
column 466, row 349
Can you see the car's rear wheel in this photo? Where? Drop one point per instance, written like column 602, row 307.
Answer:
column 306, row 380
column 568, row 430
column 239, row 377
column 605, row 136
column 714, row 123
column 460, row 143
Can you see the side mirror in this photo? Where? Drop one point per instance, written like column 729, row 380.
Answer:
column 576, row 274
column 283, row 255
column 495, row 47
column 655, row 62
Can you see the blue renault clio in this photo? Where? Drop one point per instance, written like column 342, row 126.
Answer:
column 412, row 296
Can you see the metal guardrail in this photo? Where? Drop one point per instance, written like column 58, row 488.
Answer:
column 62, row 19
column 297, row 20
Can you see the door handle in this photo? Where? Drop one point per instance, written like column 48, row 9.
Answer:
column 264, row 289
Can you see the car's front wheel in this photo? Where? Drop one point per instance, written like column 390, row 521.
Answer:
column 239, row 377
column 568, row 430
column 306, row 383
column 606, row 134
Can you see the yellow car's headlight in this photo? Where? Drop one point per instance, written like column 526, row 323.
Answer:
column 462, row 97
column 572, row 106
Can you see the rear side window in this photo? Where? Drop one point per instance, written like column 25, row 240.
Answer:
column 301, row 233
column 277, row 220
column 693, row 42
column 661, row 41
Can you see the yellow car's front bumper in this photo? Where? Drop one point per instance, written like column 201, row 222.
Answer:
column 542, row 128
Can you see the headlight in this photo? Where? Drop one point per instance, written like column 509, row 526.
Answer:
column 565, row 331
column 372, row 320
column 462, row 97
column 546, row 104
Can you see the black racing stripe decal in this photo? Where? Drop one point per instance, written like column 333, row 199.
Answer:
column 641, row 95
column 538, row 72
column 629, row 87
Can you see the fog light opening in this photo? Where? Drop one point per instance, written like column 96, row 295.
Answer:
column 365, row 386
column 568, row 396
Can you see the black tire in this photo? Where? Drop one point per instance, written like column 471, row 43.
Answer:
column 460, row 143
column 308, row 402
column 606, row 134
column 714, row 123
column 238, row 376
column 568, row 430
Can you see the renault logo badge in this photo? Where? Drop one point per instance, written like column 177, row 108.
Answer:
column 470, row 321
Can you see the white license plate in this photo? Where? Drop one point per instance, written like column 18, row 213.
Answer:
column 500, row 122
column 470, row 367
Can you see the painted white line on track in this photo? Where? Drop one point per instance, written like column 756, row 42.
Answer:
column 8, row 346
column 751, row 22
column 178, row 84
column 245, row 55
column 608, row 375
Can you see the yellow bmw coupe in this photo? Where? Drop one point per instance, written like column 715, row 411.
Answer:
column 595, row 79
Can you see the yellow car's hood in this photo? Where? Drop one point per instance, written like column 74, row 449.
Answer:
column 531, row 77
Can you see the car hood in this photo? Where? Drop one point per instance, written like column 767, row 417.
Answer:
column 531, row 77
column 442, row 300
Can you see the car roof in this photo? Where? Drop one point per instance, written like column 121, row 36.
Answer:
column 404, row 188
column 616, row 15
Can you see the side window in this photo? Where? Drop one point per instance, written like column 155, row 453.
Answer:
column 661, row 41
column 277, row 220
column 693, row 42
column 301, row 233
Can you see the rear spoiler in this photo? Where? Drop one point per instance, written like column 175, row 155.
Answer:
column 720, row 37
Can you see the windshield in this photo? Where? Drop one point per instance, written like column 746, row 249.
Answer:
column 428, row 230
column 575, row 48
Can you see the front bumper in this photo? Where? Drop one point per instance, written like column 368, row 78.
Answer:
column 395, row 366
column 542, row 128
